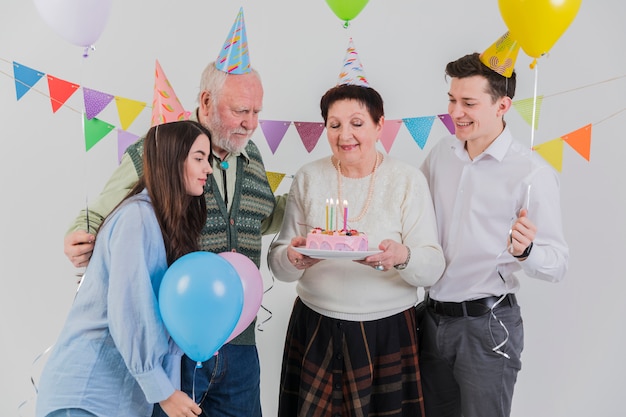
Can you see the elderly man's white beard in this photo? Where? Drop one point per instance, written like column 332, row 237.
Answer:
column 222, row 138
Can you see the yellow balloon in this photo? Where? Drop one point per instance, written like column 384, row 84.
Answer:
column 538, row 24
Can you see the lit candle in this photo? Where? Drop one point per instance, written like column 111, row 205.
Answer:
column 332, row 214
column 337, row 215
column 345, row 215
column 326, row 214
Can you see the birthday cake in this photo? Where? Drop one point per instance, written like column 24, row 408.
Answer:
column 338, row 240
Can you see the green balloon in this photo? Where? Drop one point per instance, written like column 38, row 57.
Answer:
column 346, row 9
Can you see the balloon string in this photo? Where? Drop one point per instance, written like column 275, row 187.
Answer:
column 83, row 116
column 532, row 124
column 32, row 379
column 193, row 383
column 267, row 261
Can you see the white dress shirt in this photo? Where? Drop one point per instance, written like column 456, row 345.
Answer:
column 476, row 202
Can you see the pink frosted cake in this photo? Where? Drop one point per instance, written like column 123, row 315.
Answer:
column 350, row 240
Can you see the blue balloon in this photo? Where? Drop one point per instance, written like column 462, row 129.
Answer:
column 200, row 299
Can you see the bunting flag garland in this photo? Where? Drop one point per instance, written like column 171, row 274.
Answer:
column 25, row 78
column 419, row 127
column 580, row 141
column 95, row 130
column 124, row 140
column 274, row 179
column 128, row 110
column 552, row 152
column 446, row 119
column 274, row 131
column 310, row 133
column 60, row 91
column 525, row 108
column 389, row 133
column 95, row 102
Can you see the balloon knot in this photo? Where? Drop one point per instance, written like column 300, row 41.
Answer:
column 533, row 64
column 346, row 24
column 86, row 50
column 198, row 365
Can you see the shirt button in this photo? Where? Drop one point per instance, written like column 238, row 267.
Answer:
column 339, row 356
column 232, row 222
column 337, row 385
column 233, row 250
column 339, row 325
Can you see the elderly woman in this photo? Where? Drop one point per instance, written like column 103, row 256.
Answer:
column 351, row 344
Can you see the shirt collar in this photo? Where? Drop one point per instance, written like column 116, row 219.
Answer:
column 496, row 150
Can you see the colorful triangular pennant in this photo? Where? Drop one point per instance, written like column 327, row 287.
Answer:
column 389, row 133
column 525, row 108
column 128, row 110
column 95, row 102
column 274, row 179
column 419, row 127
column 60, row 91
column 124, row 140
column 552, row 151
column 446, row 119
column 95, row 130
column 580, row 140
column 25, row 78
column 274, row 131
column 310, row 133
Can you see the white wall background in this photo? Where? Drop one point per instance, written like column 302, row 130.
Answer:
column 573, row 361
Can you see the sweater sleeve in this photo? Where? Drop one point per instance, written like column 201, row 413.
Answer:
column 280, row 266
column 420, row 234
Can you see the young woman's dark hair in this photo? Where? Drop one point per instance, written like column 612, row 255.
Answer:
column 471, row 65
column 180, row 215
column 365, row 95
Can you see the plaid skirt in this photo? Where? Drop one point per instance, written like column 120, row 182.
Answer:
column 344, row 368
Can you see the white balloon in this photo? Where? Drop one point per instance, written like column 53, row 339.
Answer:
column 80, row 22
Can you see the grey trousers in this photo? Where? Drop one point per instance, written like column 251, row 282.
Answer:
column 462, row 375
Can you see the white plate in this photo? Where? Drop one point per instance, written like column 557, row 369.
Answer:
column 337, row 254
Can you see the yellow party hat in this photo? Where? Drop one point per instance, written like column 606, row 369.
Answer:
column 501, row 56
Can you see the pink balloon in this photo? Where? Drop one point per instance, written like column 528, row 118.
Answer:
column 77, row 21
column 252, row 289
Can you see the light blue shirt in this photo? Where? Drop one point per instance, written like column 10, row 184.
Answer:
column 114, row 356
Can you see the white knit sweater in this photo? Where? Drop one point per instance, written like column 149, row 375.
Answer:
column 401, row 209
